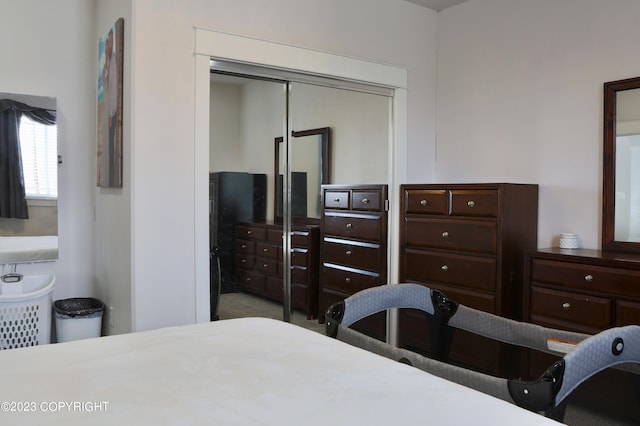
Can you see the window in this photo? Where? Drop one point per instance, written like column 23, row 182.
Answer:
column 38, row 145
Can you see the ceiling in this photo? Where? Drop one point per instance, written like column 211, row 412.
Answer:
column 436, row 5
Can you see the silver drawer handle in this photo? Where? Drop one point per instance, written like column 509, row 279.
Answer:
column 566, row 305
column 265, row 265
column 588, row 278
column 444, row 268
column 248, row 232
column 347, row 280
column 337, row 200
column 471, row 204
column 243, row 261
column 265, row 250
column 365, row 201
column 445, row 234
column 349, row 226
column 423, row 202
column 348, row 252
column 244, row 246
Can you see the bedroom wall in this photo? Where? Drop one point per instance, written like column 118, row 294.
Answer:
column 162, row 108
column 520, row 87
column 50, row 52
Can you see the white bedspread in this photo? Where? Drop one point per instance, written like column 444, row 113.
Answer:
column 28, row 249
column 233, row 372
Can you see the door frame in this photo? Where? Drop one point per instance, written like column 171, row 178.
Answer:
column 212, row 45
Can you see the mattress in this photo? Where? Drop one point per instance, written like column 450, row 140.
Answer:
column 28, row 249
column 232, row 372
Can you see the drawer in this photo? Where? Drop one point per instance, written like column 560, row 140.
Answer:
column 366, row 200
column 463, row 235
column 267, row 265
column 300, row 238
column 479, row 203
column 252, row 232
column 569, row 311
column 627, row 313
column 299, row 275
column 477, row 273
column 250, row 280
column 245, row 246
column 299, row 296
column 274, row 236
column 579, row 276
column 359, row 226
column 354, row 253
column 336, row 199
column 264, row 249
column 348, row 280
column 473, row 299
column 299, row 257
column 273, row 288
column 426, row 201
column 245, row 261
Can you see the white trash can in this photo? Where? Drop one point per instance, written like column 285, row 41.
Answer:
column 78, row 318
column 25, row 310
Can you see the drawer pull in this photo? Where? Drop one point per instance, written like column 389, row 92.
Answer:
column 244, row 246
column 243, row 261
column 566, row 305
column 249, row 232
column 444, row 268
column 423, row 203
column 349, row 226
column 588, row 278
column 266, row 250
column 471, row 204
column 347, row 280
column 336, row 200
column 248, row 279
column 445, row 234
column 365, row 201
column 265, row 265
column 348, row 252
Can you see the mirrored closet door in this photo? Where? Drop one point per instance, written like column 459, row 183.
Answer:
column 273, row 143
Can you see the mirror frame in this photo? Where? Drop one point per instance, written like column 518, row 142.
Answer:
column 325, row 158
column 609, row 244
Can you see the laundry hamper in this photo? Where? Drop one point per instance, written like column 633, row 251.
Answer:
column 25, row 310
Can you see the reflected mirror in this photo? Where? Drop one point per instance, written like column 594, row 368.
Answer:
column 621, row 172
column 28, row 212
column 309, row 170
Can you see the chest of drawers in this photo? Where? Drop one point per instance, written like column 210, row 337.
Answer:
column 353, row 247
column 468, row 241
column 585, row 291
column 259, row 266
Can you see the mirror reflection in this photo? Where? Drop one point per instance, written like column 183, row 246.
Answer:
column 627, row 170
column 28, row 183
column 309, row 170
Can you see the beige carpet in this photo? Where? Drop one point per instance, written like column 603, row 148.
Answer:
column 241, row 305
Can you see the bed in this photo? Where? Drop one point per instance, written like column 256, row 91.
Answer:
column 241, row 371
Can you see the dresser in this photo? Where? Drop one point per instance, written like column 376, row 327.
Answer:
column 353, row 247
column 468, row 241
column 258, row 263
column 585, row 291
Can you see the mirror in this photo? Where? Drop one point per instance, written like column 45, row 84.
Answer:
column 621, row 171
column 309, row 170
column 32, row 235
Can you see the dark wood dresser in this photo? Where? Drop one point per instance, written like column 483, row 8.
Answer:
column 258, row 263
column 585, row 291
column 353, row 247
column 468, row 241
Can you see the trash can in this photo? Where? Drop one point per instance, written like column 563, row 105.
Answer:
column 78, row 318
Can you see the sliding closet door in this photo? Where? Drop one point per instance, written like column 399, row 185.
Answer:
column 246, row 115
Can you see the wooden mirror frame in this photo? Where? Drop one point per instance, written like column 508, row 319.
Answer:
column 325, row 158
column 609, row 244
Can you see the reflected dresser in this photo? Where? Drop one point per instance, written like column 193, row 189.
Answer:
column 353, row 247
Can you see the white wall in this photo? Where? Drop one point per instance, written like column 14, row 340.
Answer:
column 162, row 86
column 520, row 86
column 49, row 50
